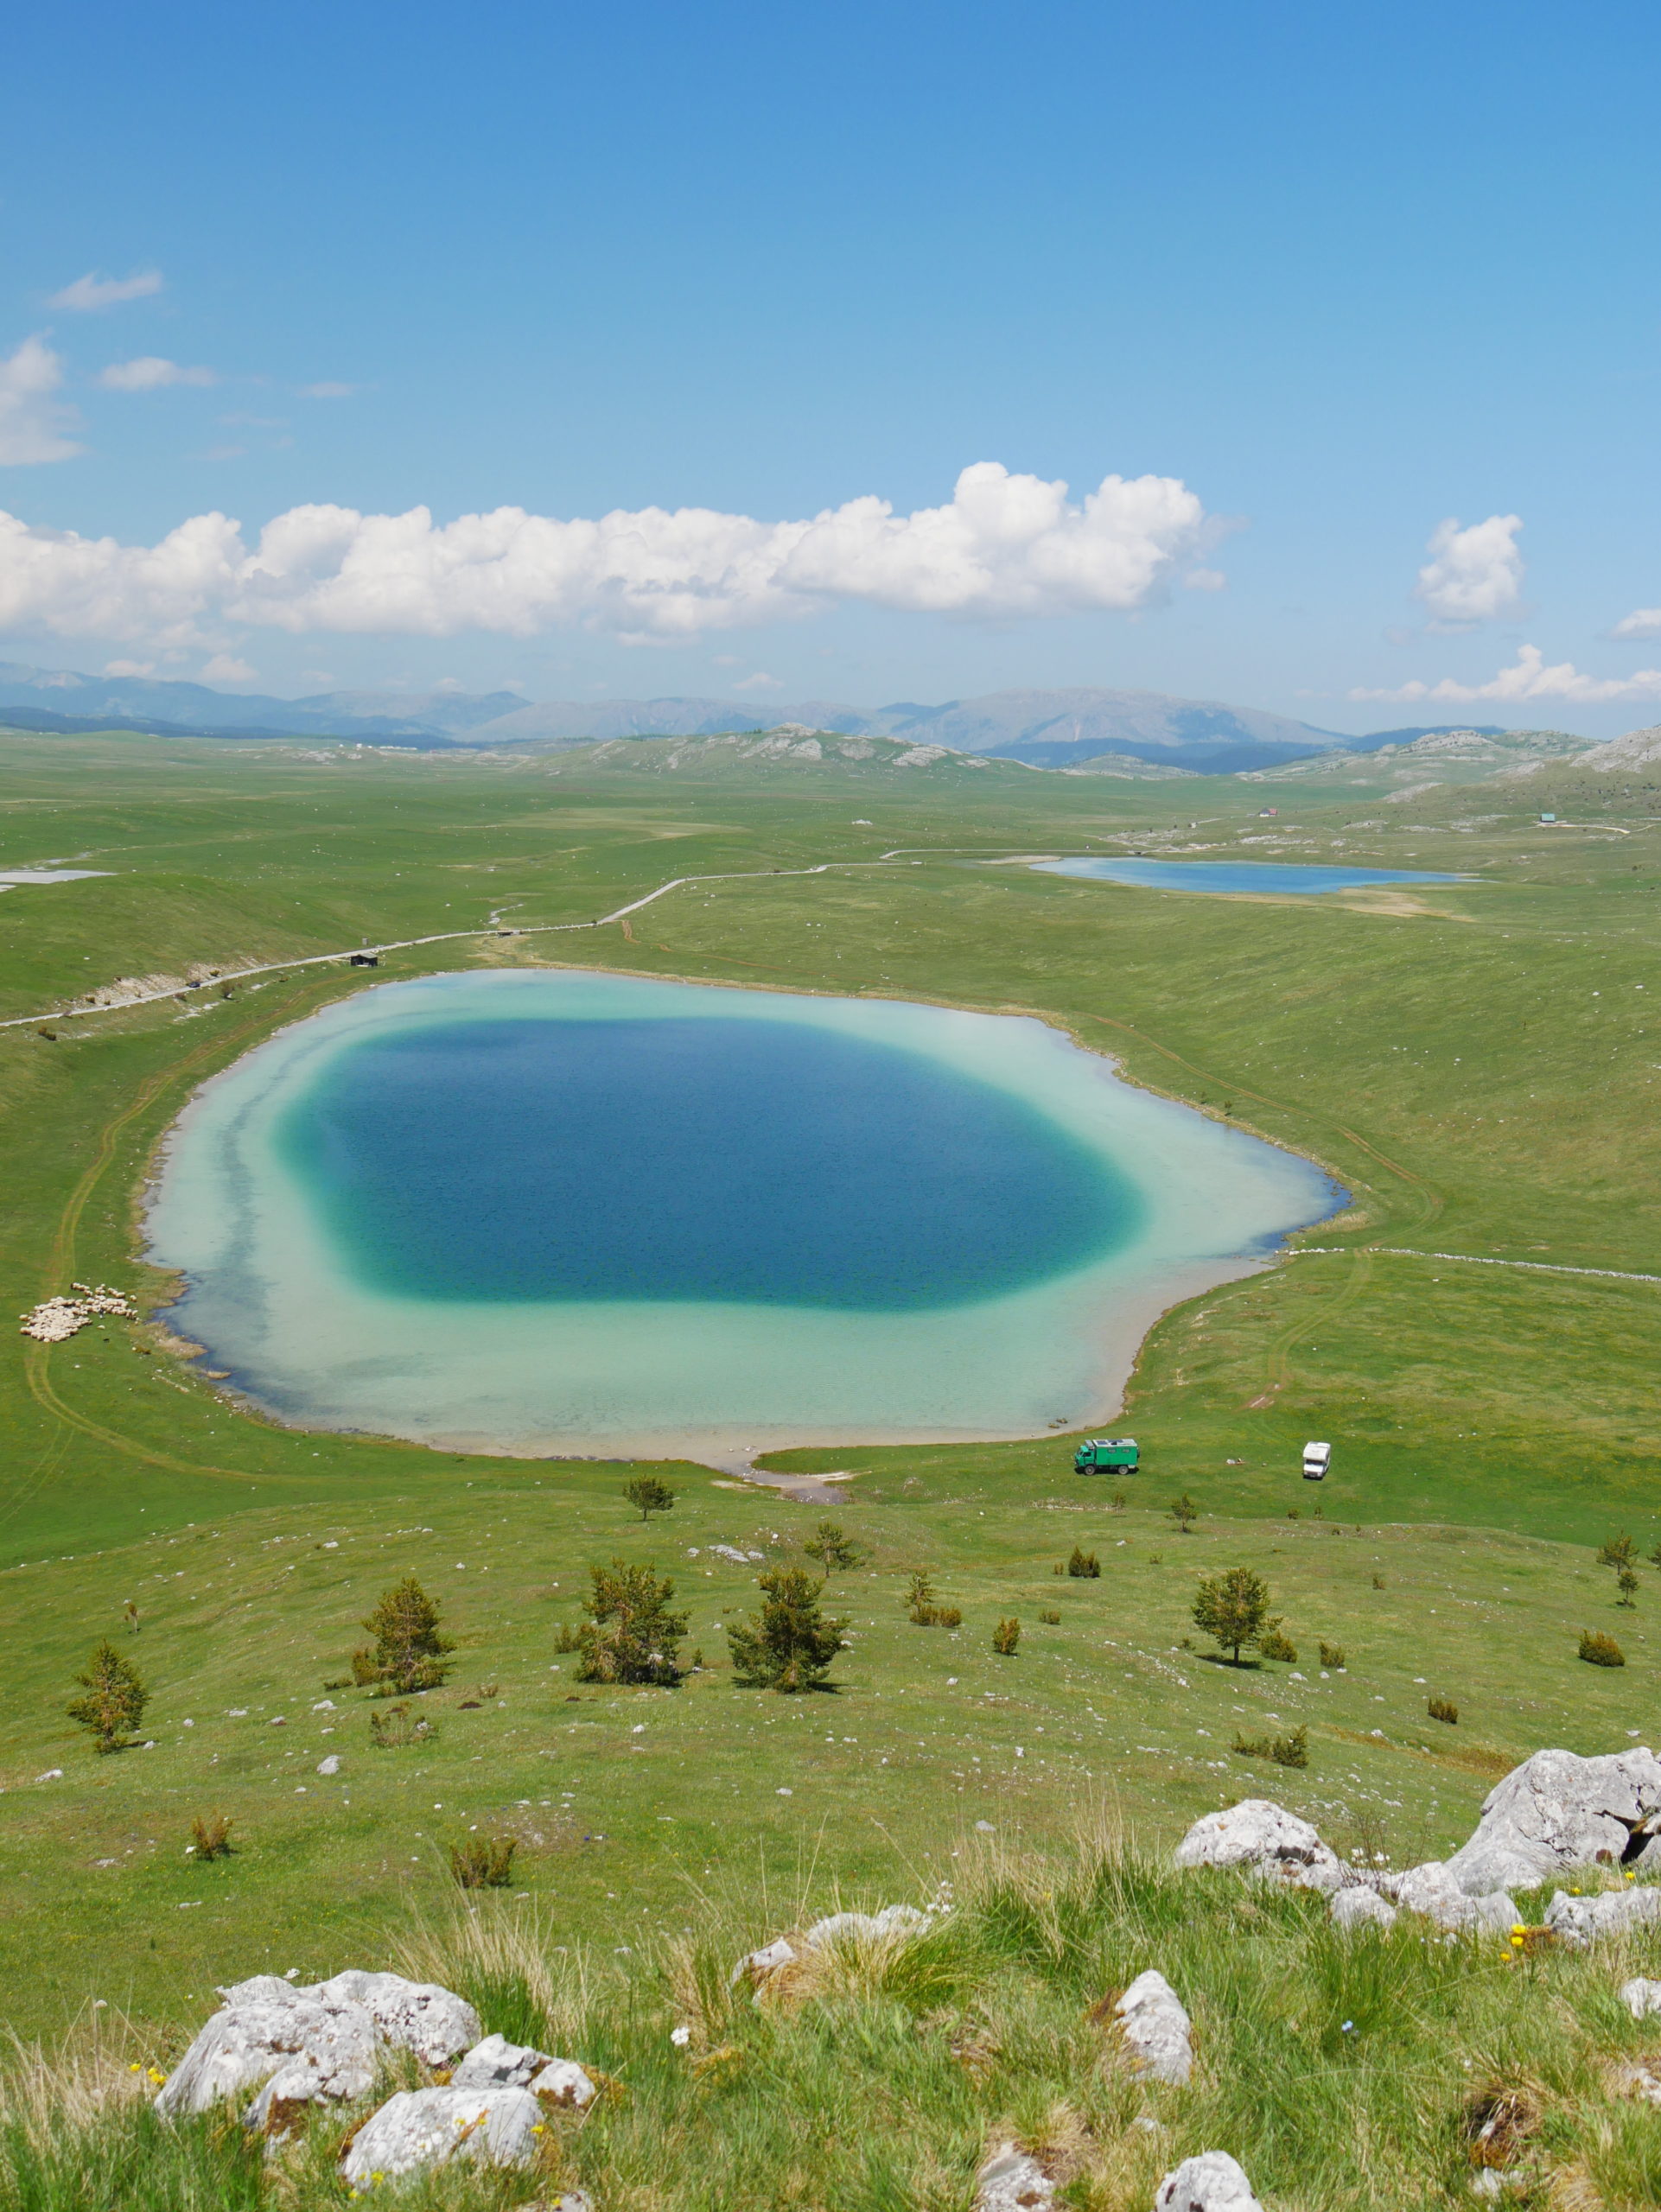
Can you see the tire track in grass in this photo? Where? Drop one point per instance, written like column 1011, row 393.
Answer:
column 37, row 1357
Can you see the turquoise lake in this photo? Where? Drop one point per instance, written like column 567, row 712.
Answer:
column 1237, row 876
column 568, row 1212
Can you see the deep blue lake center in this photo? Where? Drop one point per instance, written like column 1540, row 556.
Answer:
column 709, row 1159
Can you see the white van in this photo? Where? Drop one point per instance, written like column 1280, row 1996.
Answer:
column 1317, row 1458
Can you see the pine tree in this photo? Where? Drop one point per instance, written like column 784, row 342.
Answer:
column 409, row 1651
column 630, row 1635
column 649, row 1495
column 832, row 1548
column 115, row 1699
column 1184, row 1512
column 792, row 1645
column 1618, row 1552
column 1233, row 1609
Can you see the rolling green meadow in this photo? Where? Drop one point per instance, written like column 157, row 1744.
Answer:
column 1476, row 1063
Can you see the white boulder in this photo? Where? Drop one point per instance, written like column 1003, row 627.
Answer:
column 1156, row 2029
column 1579, row 1921
column 1012, row 2181
column 1264, row 1839
column 303, row 2046
column 866, row 1926
column 331, row 1764
column 1558, row 1811
column 1432, row 1890
column 495, row 2063
column 418, row 2016
column 1359, row 1907
column 1212, row 2182
column 562, row 2082
column 1641, row 1997
column 421, row 2128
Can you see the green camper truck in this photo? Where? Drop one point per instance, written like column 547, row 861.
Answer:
column 1101, row 1455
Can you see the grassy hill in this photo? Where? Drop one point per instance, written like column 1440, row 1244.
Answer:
column 1476, row 1062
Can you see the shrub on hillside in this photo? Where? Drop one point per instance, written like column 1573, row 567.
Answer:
column 833, row 1549
column 1006, row 1638
column 391, row 1729
column 1377, row 1581
column 630, row 1635
column 921, row 1609
column 649, row 1495
column 1618, row 1552
column 1331, row 1654
column 1285, row 1750
column 1050, row 1619
column 1275, row 1643
column 115, row 1699
column 484, row 1862
column 210, row 1836
column 791, row 1646
column 1600, row 1651
column 410, row 1651
column 1443, row 1708
column 1184, row 1512
column 1231, row 1609
column 1626, row 1583
column 1083, row 1565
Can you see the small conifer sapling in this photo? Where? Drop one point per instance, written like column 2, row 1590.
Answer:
column 1006, row 1638
column 1084, row 1566
column 630, row 1635
column 115, row 1699
column 789, row 1646
column 833, row 1547
column 409, row 1652
column 1185, row 1513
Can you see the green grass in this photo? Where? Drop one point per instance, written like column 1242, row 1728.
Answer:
column 1440, row 1051
column 1343, row 2072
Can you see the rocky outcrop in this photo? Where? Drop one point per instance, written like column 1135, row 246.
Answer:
column 422, row 2128
column 1010, row 2181
column 1358, row 1906
column 418, row 2016
column 299, row 2045
column 1641, row 1997
column 1263, row 1839
column 1431, row 1889
column 1212, row 2182
column 1579, row 1921
column 1156, row 2029
column 1557, row 1811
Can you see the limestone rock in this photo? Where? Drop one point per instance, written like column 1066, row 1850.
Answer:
column 1579, row 1921
column 1432, row 1890
column 418, row 2016
column 1012, row 2181
column 867, row 1927
column 1641, row 1997
column 1263, row 1839
column 757, row 1965
column 421, row 2128
column 1359, row 1907
column 1212, row 2182
column 562, row 2082
column 1557, row 1811
column 269, row 2032
column 1156, row 2029
column 495, row 2063
column 331, row 1764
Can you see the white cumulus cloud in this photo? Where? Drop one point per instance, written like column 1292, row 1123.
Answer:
column 1005, row 546
column 1473, row 574
column 150, row 372
column 1643, row 622
column 226, row 668
column 33, row 419
column 1529, row 679
column 88, row 294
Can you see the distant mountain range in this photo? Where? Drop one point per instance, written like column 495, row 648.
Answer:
column 1044, row 730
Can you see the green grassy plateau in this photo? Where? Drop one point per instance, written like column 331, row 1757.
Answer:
column 1473, row 1061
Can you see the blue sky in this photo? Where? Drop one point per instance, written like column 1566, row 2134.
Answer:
column 1327, row 279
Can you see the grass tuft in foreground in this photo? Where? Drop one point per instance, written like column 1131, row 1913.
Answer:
column 1343, row 2071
